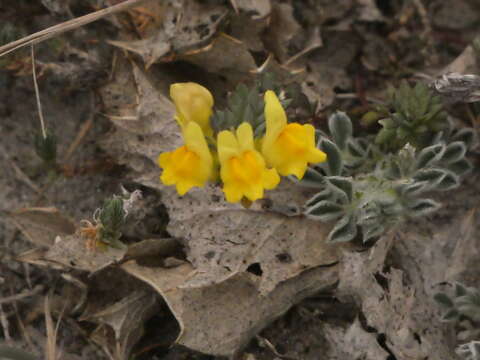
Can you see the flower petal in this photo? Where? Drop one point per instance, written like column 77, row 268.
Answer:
column 270, row 179
column 233, row 193
column 164, row 159
column 184, row 186
column 195, row 141
column 245, row 137
column 189, row 165
column 254, row 192
column 275, row 118
column 227, row 146
column 193, row 103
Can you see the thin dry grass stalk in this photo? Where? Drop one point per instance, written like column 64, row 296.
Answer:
column 67, row 26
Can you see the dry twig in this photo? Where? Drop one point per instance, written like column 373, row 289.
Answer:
column 20, row 174
column 37, row 94
column 22, row 295
column 67, row 26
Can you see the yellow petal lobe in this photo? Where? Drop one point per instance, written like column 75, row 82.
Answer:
column 243, row 169
column 193, row 103
column 190, row 165
column 288, row 148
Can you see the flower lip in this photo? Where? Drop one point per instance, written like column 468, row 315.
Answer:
column 189, row 165
column 243, row 169
column 289, row 148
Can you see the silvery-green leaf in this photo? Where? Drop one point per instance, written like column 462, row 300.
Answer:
column 460, row 290
column 430, row 155
column 460, row 167
column 312, row 178
column 394, row 171
column 385, row 135
column 344, row 230
column 343, row 183
column 449, row 316
column 415, row 188
column 334, row 157
column 393, row 209
column 432, row 176
column 420, row 207
column 340, row 127
column 465, row 135
column 369, row 214
column 386, row 198
column 443, row 299
column 450, row 181
column 370, row 232
column 454, row 152
column 355, row 148
column 469, row 304
column 388, row 123
column 320, row 196
column 324, row 211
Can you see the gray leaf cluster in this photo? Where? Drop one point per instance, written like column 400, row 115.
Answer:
column 366, row 190
column 469, row 351
column 465, row 302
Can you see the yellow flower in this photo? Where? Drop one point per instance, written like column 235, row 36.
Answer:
column 288, row 147
column 193, row 103
column 190, row 165
column 243, row 170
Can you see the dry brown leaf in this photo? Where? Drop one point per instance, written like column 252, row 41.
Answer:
column 257, row 9
column 186, row 26
column 392, row 305
column 353, row 343
column 249, row 31
column 465, row 63
column 368, row 11
column 236, row 65
column 453, row 14
column 283, row 28
column 121, row 324
column 42, row 225
column 320, row 82
column 70, row 252
column 225, row 239
column 220, row 319
column 149, row 129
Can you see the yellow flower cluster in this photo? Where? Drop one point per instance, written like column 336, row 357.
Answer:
column 247, row 167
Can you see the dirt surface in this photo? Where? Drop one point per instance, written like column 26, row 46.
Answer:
column 89, row 78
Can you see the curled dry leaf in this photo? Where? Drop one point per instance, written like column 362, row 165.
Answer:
column 353, row 343
column 283, row 28
column 223, row 240
column 41, row 225
column 466, row 63
column 392, row 305
column 70, row 252
column 211, row 58
column 186, row 26
column 249, row 31
column 121, row 324
column 142, row 129
column 220, row 319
